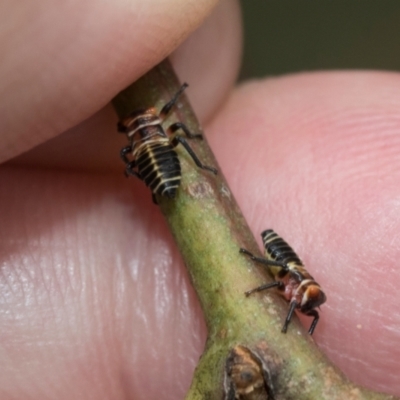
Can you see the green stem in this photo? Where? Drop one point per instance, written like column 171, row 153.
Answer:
column 246, row 354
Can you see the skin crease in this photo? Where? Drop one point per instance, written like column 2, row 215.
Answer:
column 94, row 300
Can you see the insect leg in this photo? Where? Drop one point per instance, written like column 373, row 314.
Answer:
column 129, row 165
column 167, row 108
column 124, row 151
column 293, row 305
column 179, row 139
column 313, row 313
column 277, row 284
column 129, row 170
column 263, row 260
column 179, row 125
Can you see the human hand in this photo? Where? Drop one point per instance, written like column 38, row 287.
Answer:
column 93, row 290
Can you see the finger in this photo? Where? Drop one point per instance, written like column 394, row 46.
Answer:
column 92, row 291
column 315, row 157
column 210, row 59
column 63, row 62
column 88, row 218
column 94, row 145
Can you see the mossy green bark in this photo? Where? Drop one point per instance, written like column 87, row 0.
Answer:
column 209, row 230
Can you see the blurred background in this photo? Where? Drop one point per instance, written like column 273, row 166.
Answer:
column 283, row 36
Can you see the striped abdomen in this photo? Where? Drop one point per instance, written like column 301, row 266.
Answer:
column 158, row 165
column 277, row 249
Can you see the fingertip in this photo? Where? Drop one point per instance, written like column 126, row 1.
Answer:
column 72, row 58
column 210, row 59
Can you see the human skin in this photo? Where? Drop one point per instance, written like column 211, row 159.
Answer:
column 95, row 302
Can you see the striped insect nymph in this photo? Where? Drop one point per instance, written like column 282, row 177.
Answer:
column 151, row 155
column 292, row 280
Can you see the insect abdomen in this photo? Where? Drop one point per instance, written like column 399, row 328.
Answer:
column 159, row 167
column 277, row 249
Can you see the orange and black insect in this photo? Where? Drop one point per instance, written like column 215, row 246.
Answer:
column 291, row 278
column 151, row 150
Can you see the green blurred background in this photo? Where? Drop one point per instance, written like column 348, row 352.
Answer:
column 283, row 36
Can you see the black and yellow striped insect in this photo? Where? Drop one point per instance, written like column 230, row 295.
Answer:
column 291, row 278
column 151, row 150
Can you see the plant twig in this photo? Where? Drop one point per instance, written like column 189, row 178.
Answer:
column 247, row 356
